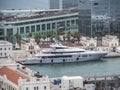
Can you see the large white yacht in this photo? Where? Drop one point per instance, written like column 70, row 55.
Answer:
column 59, row 53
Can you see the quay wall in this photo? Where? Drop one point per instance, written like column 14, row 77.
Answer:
column 112, row 55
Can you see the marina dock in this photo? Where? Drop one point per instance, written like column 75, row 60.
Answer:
column 112, row 55
column 109, row 82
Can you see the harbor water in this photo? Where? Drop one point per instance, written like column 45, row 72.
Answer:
column 106, row 66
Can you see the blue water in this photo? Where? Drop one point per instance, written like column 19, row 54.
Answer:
column 104, row 67
column 24, row 4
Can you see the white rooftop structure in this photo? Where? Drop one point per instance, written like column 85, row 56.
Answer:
column 5, row 48
column 68, row 83
column 2, row 43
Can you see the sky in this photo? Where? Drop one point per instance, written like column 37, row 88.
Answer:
column 24, row 4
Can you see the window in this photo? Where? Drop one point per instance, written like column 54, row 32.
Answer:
column 76, row 22
column 32, row 28
column 26, row 88
column 4, row 48
column 51, row 61
column 2, row 31
column 27, row 29
column 68, row 23
column 21, row 30
column 53, row 25
column 73, row 22
column 43, row 26
column 44, row 87
column 17, row 30
column 48, row 26
column 84, row 55
column 36, row 88
column 38, row 27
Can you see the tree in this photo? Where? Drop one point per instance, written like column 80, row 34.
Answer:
column 51, row 38
column 9, row 38
column 68, row 36
column 49, row 35
column 29, row 35
column 77, row 36
column 18, row 37
column 64, row 38
column 37, row 39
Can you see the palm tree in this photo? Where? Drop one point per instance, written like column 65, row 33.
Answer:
column 37, row 39
column 9, row 37
column 51, row 38
column 18, row 37
column 64, row 38
column 44, row 37
column 49, row 35
column 77, row 36
column 29, row 35
column 68, row 36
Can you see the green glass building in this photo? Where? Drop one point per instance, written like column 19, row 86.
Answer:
column 40, row 23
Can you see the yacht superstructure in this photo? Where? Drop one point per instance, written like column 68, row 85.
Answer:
column 59, row 53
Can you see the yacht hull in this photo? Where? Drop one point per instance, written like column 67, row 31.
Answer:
column 64, row 58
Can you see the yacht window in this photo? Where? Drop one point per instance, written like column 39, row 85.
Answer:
column 77, row 58
column 52, row 61
column 84, row 55
column 40, row 61
column 26, row 88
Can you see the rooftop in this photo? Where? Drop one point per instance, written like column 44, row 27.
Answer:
column 4, row 43
column 72, row 77
column 38, row 14
column 11, row 74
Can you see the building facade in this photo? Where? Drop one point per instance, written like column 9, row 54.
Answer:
column 63, row 4
column 5, row 48
column 88, row 42
column 71, row 83
column 110, row 41
column 39, row 23
column 99, row 16
column 17, row 77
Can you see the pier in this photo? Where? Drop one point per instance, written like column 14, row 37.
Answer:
column 112, row 55
column 109, row 82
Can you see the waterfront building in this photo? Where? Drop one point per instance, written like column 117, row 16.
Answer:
column 88, row 42
column 104, row 48
column 40, row 23
column 63, row 4
column 5, row 48
column 17, row 77
column 110, row 41
column 18, row 54
column 30, row 46
column 98, row 17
